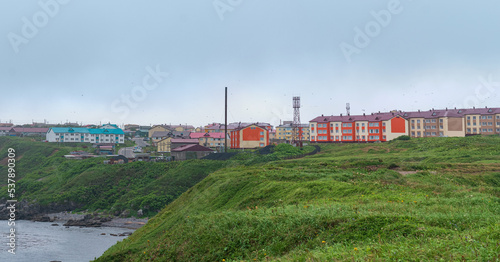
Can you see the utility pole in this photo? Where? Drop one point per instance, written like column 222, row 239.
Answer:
column 225, row 123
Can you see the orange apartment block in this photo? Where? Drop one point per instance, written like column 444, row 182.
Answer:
column 250, row 136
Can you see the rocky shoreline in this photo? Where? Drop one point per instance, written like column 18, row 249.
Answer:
column 91, row 220
column 56, row 213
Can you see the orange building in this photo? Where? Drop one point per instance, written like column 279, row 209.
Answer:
column 250, row 136
column 358, row 128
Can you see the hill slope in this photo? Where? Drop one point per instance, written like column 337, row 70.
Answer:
column 423, row 199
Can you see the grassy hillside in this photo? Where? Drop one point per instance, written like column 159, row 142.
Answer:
column 418, row 200
column 46, row 177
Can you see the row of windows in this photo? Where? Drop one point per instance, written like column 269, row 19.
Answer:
column 348, row 138
column 482, row 117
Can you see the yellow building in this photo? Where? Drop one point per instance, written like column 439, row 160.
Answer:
column 285, row 131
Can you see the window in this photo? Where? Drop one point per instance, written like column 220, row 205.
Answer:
column 433, row 133
column 483, row 117
column 337, row 137
column 347, row 125
column 468, row 117
column 261, row 144
column 383, row 137
column 363, row 137
column 441, row 134
column 490, row 123
column 485, row 130
column 261, row 133
column 441, row 127
column 413, row 133
column 468, row 130
column 383, row 124
column 498, row 123
column 412, row 127
column 474, row 117
column 373, row 124
column 413, row 121
column 347, row 131
column 490, row 117
column 331, row 138
column 312, row 125
column 312, row 137
column 433, row 120
column 331, row 125
column 418, row 133
column 357, row 124
column 427, row 120
column 374, row 138
column 362, row 124
column 440, row 120
column 347, row 138
column 490, row 129
column 418, row 121
column 261, row 139
column 383, row 130
column 372, row 131
column 474, row 130
column 337, row 125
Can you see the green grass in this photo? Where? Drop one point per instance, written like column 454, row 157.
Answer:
column 45, row 177
column 351, row 202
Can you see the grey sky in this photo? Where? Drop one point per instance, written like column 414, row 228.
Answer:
column 88, row 54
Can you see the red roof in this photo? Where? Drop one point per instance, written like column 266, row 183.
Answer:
column 5, row 128
column 191, row 148
column 30, row 129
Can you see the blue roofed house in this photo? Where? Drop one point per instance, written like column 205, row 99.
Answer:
column 86, row 135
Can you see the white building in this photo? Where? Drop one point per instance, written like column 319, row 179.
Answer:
column 86, row 135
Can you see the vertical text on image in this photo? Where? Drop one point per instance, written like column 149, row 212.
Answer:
column 11, row 202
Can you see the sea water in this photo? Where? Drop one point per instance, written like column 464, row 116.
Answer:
column 40, row 241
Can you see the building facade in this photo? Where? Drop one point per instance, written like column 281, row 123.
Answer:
column 251, row 136
column 358, row 128
column 387, row 126
column 86, row 135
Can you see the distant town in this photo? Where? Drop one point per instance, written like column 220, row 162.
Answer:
column 200, row 141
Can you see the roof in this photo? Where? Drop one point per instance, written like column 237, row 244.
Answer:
column 290, row 125
column 186, row 141
column 191, row 148
column 171, row 134
column 236, row 125
column 5, row 128
column 210, row 135
column 256, row 124
column 87, row 130
column 30, row 129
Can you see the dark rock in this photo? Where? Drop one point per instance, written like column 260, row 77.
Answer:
column 103, row 234
column 127, row 233
column 115, row 235
column 55, row 225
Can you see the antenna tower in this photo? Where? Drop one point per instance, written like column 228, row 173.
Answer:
column 296, row 136
column 348, row 108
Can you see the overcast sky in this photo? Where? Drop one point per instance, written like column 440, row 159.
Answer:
column 163, row 61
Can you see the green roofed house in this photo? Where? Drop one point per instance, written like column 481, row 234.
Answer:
column 86, row 135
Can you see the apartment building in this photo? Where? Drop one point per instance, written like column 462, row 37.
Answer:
column 250, row 136
column 285, row 130
column 86, row 135
column 389, row 125
column 358, row 128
